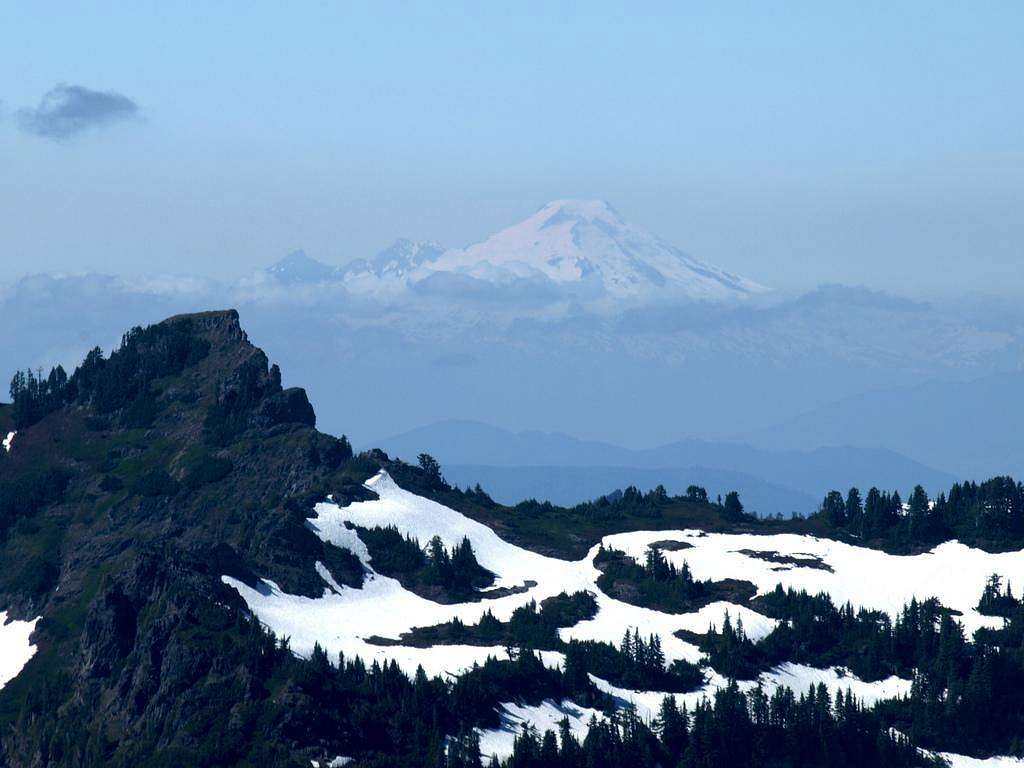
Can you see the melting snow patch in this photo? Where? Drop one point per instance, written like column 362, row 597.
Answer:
column 544, row 717
column 343, row 619
column 951, row 572
column 796, row 677
column 800, row 677
column 962, row 761
column 15, row 648
column 8, row 441
column 346, row 619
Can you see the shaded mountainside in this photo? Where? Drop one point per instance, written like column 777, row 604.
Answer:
column 124, row 561
column 135, row 485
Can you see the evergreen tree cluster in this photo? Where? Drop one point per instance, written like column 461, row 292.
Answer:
column 21, row 497
column 658, row 584
column 630, row 501
column 995, row 601
column 434, row 571
column 377, row 713
column 966, row 694
column 457, row 571
column 121, row 381
column 637, row 664
column 812, row 630
column 967, row 698
column 989, row 514
column 527, row 627
column 734, row 730
column 35, row 395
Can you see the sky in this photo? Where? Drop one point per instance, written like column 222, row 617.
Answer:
column 797, row 143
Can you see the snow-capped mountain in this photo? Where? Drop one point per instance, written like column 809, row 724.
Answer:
column 398, row 260
column 572, row 242
column 582, row 248
column 299, row 269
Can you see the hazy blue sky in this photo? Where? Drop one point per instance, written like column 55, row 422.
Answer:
column 880, row 144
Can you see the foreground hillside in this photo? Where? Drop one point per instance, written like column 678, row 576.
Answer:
column 192, row 574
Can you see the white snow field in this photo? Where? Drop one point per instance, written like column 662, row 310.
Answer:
column 796, row 677
column 868, row 578
column 337, row 762
column 343, row 618
column 544, row 717
column 15, row 647
column 962, row 761
column 9, row 441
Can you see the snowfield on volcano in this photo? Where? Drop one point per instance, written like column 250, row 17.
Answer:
column 343, row 619
column 583, row 250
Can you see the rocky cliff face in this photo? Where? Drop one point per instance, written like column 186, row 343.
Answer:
column 139, row 641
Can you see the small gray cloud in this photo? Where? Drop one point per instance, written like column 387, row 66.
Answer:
column 67, row 111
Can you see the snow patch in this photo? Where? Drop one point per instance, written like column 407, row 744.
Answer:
column 15, row 646
column 868, row 578
column 962, row 761
column 384, row 608
column 797, row 677
column 337, row 762
column 346, row 620
column 544, row 717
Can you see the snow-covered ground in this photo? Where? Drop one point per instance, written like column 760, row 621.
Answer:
column 335, row 762
column 15, row 648
column 952, row 572
column 962, row 761
column 547, row 715
column 796, row 677
column 9, row 441
column 544, row 717
column 386, row 609
column 343, row 618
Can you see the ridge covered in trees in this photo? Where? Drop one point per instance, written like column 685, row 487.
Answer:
column 434, row 572
column 658, row 584
column 115, row 383
column 114, row 528
column 989, row 515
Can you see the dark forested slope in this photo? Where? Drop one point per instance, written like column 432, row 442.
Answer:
column 139, row 480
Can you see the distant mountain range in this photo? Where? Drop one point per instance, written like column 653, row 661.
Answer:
column 574, row 320
column 518, row 465
column 571, row 485
column 974, row 428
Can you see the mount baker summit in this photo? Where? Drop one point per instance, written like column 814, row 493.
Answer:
column 578, row 249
